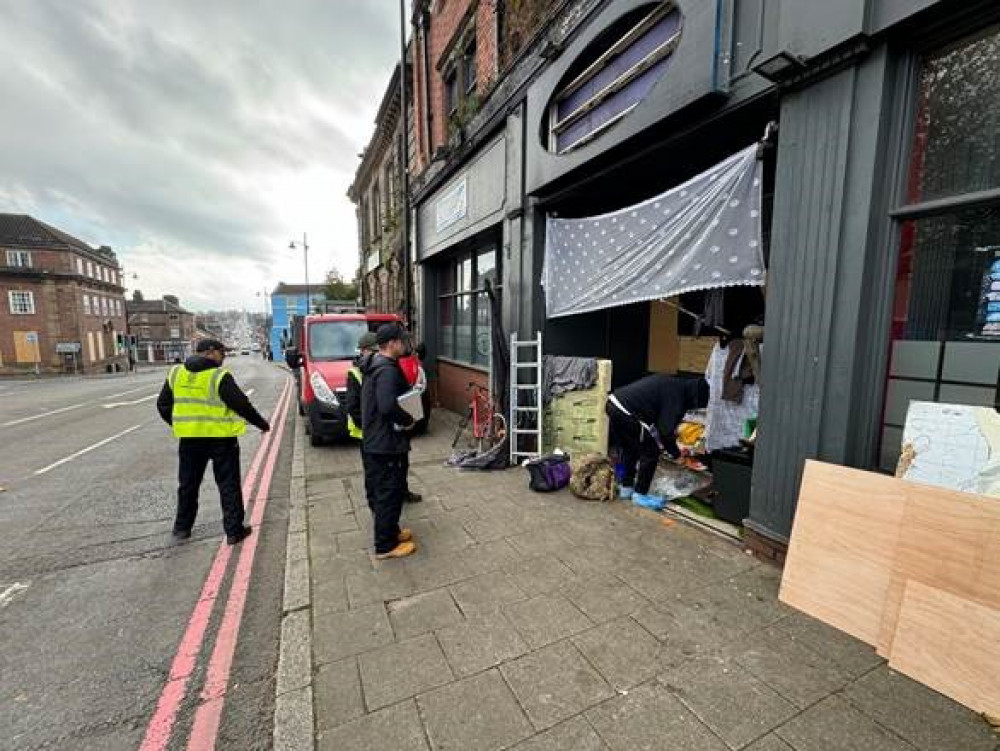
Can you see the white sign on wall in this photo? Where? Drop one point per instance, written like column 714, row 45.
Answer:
column 452, row 206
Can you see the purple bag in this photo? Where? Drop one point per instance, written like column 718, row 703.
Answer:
column 548, row 473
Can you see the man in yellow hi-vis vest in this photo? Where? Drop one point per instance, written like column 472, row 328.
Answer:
column 208, row 413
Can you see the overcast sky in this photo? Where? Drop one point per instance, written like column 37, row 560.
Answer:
column 197, row 138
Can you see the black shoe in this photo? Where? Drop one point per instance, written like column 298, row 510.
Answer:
column 414, row 498
column 239, row 536
column 182, row 534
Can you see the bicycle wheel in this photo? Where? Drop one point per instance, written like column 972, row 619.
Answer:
column 497, row 427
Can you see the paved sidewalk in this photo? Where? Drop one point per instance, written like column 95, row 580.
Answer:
column 543, row 623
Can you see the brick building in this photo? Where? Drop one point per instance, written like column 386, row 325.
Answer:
column 376, row 194
column 163, row 330
column 62, row 305
column 466, row 63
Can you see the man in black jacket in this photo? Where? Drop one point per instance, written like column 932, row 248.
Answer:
column 196, row 449
column 386, row 441
column 367, row 349
column 644, row 416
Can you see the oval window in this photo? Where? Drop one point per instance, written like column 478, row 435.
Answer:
column 612, row 76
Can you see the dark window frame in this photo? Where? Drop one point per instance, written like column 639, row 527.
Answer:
column 476, row 293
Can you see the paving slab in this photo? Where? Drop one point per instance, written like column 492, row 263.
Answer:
column 337, row 690
column 400, row 671
column 737, row 706
column 795, row 671
column 397, row 728
column 555, row 683
column 573, row 735
column 925, row 718
column 480, row 643
column 540, row 575
column 650, row 718
column 340, row 635
column 546, row 619
column 769, row 742
column 623, row 652
column 488, row 556
column 834, row 725
column 329, row 595
column 602, row 598
column 475, row 713
column 420, row 614
column 850, row 655
column 486, row 592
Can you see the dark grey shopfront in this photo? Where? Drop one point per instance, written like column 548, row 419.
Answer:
column 874, row 291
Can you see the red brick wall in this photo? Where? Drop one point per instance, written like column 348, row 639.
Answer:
column 446, row 22
column 453, row 385
column 58, row 317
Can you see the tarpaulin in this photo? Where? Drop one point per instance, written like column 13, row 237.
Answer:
column 704, row 234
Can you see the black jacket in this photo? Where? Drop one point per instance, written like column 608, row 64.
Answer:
column 383, row 383
column 352, row 401
column 231, row 394
column 662, row 401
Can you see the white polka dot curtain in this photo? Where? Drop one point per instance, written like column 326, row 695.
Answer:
column 700, row 235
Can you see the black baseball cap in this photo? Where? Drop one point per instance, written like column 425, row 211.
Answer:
column 208, row 345
column 389, row 332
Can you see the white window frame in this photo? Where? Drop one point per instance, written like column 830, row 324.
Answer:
column 90, row 269
column 79, row 265
column 26, row 302
column 19, row 259
column 86, row 305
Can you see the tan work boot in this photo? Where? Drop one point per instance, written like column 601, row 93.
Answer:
column 405, row 535
column 400, row 551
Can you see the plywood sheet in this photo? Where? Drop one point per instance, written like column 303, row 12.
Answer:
column 950, row 644
column 664, row 347
column 840, row 558
column 949, row 541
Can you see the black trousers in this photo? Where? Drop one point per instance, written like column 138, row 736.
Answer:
column 195, row 454
column 640, row 453
column 385, row 485
column 406, row 478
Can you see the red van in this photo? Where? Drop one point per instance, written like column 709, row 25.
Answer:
column 324, row 348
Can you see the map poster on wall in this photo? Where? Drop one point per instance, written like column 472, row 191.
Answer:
column 952, row 446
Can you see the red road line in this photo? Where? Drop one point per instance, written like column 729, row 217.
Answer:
column 161, row 725
column 205, row 729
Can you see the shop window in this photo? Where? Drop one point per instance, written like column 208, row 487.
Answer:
column 613, row 76
column 463, row 307
column 19, row 259
column 946, row 313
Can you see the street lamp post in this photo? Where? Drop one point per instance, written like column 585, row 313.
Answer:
column 305, row 256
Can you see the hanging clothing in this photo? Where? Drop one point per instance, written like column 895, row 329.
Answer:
column 737, row 372
column 725, row 419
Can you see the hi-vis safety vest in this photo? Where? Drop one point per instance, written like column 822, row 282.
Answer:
column 353, row 429
column 199, row 412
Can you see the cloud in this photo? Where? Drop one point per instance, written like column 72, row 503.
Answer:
column 195, row 138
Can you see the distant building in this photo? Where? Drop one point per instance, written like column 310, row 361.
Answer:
column 62, row 305
column 288, row 300
column 376, row 194
column 163, row 330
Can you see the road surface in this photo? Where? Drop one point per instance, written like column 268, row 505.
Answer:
column 96, row 597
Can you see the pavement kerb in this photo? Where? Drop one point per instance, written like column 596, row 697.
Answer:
column 294, row 725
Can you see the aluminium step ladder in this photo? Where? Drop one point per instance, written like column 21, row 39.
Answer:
column 525, row 398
